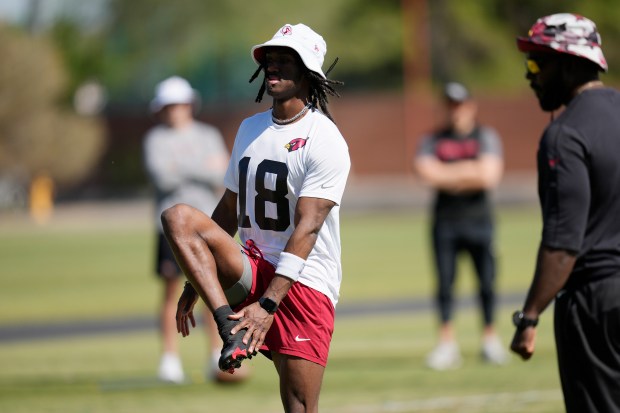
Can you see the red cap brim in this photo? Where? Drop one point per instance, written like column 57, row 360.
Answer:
column 526, row 45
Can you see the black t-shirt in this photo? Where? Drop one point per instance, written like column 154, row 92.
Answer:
column 579, row 182
column 447, row 146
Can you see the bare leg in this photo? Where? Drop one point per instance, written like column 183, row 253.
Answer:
column 170, row 366
column 211, row 260
column 489, row 331
column 167, row 319
column 446, row 332
column 300, row 383
column 208, row 255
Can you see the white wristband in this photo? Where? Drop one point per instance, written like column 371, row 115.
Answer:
column 290, row 265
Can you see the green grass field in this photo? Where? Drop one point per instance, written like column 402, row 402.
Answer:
column 97, row 269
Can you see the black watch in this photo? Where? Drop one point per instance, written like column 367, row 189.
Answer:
column 268, row 305
column 522, row 322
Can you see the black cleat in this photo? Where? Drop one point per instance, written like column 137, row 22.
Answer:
column 234, row 352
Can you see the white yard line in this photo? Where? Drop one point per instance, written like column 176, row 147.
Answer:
column 506, row 402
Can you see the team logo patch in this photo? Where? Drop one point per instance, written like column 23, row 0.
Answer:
column 287, row 30
column 295, row 144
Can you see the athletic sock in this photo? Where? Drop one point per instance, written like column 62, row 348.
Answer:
column 224, row 324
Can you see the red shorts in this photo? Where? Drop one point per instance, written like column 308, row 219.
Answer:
column 304, row 323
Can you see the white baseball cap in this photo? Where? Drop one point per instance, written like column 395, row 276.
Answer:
column 308, row 44
column 174, row 90
column 456, row 92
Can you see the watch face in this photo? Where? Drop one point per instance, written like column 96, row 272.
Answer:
column 520, row 321
column 268, row 305
column 516, row 318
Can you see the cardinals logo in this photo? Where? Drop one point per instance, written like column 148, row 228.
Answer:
column 295, row 144
column 287, row 30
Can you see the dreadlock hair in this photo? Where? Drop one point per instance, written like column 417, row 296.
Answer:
column 261, row 91
column 319, row 88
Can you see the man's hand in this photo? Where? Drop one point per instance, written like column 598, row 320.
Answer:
column 523, row 342
column 257, row 321
column 185, row 309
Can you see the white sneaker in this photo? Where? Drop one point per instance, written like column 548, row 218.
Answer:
column 493, row 351
column 212, row 370
column 170, row 369
column 445, row 356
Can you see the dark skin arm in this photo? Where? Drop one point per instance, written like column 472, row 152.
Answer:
column 310, row 214
column 225, row 213
column 553, row 268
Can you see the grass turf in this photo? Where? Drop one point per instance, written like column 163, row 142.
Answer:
column 97, row 271
column 376, row 365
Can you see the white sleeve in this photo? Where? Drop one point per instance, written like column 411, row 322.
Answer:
column 327, row 166
column 231, row 179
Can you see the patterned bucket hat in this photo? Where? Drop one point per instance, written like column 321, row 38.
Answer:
column 565, row 33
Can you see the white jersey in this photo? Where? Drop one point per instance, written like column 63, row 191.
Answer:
column 271, row 167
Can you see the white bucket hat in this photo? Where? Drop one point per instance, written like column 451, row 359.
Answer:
column 174, row 90
column 309, row 45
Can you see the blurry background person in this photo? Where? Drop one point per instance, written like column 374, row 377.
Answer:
column 186, row 161
column 462, row 161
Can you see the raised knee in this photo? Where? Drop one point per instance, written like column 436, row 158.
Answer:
column 175, row 218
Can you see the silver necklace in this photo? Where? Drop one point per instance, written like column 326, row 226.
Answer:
column 291, row 120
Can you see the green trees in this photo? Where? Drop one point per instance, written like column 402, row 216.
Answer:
column 38, row 136
column 209, row 41
column 127, row 46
